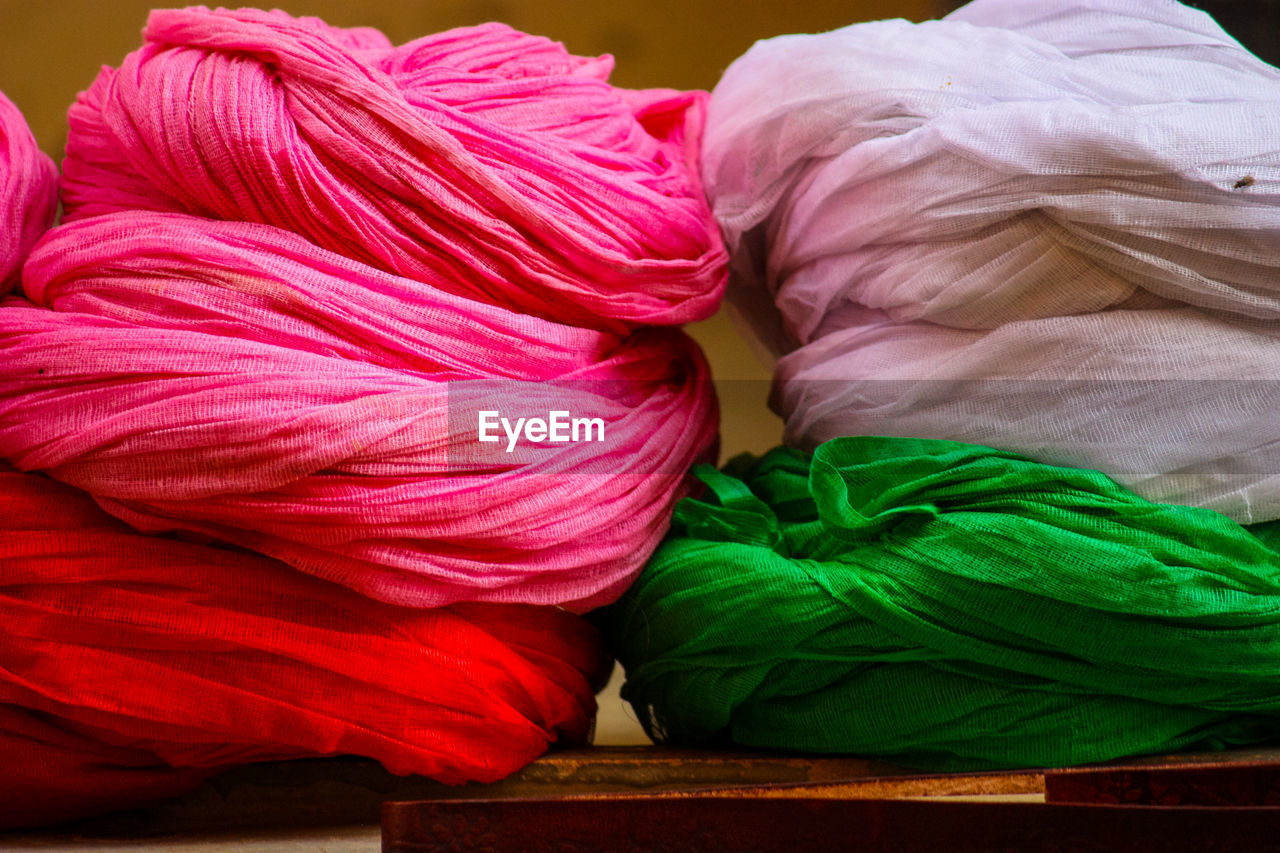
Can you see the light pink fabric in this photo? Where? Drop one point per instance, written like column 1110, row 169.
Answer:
column 1049, row 227
column 233, row 380
column 493, row 163
column 28, row 192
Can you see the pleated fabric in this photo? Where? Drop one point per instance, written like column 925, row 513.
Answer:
column 28, row 193
column 235, row 381
column 134, row 666
column 1052, row 228
column 490, row 162
column 948, row 606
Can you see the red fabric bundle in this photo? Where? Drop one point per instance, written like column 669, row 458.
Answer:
column 121, row 647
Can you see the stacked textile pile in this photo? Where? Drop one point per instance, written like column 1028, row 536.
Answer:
column 298, row 269
column 1049, row 229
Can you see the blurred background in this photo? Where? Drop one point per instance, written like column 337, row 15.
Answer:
column 51, row 49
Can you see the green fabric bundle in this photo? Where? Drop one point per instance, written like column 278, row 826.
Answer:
column 948, row 606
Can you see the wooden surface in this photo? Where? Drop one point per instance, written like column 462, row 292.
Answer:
column 1157, row 804
column 1236, row 778
column 816, row 825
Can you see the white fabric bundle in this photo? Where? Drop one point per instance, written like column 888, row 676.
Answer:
column 1050, row 227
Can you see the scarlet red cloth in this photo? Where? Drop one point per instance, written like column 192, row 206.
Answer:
column 125, row 655
column 491, row 163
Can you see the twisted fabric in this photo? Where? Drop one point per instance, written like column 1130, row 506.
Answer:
column 491, row 163
column 1050, row 227
column 233, row 380
column 949, row 606
column 28, row 193
column 134, row 666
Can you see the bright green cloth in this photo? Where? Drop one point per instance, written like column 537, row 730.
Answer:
column 949, row 606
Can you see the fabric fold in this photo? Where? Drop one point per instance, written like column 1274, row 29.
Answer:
column 28, row 193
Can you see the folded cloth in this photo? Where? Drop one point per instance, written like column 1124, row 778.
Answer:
column 1050, row 227
column 232, row 380
column 947, row 606
column 133, row 666
column 491, row 162
column 28, row 192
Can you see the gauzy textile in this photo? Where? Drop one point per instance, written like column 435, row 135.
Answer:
column 28, row 193
column 133, row 666
column 947, row 606
column 232, row 380
column 491, row 163
column 1048, row 227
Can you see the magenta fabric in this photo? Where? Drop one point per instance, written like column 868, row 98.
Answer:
column 28, row 192
column 233, row 380
column 491, row 163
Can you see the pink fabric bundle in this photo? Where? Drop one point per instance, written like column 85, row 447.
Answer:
column 310, row 298
column 233, row 380
column 28, row 192
column 491, row 163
